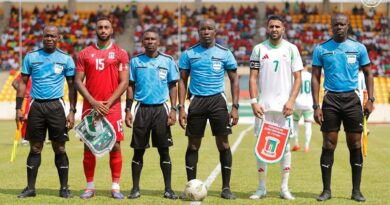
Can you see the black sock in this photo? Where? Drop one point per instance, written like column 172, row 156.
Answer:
column 62, row 164
column 166, row 166
column 33, row 163
column 225, row 157
column 136, row 166
column 326, row 167
column 191, row 162
column 356, row 161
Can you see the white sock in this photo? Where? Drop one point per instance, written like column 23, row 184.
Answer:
column 115, row 186
column 285, row 166
column 262, row 173
column 90, row 185
column 307, row 133
column 296, row 131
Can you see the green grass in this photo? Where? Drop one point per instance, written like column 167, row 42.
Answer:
column 305, row 178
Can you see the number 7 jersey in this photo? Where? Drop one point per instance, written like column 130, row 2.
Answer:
column 101, row 68
column 276, row 65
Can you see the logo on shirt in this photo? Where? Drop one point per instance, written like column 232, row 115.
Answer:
column 58, row 68
column 163, row 72
column 351, row 59
column 265, row 57
column 111, row 55
column 217, row 65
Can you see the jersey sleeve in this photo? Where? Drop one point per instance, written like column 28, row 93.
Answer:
column 230, row 61
column 26, row 69
column 124, row 61
column 317, row 60
column 254, row 60
column 80, row 67
column 184, row 61
column 363, row 56
column 132, row 68
column 173, row 72
column 296, row 61
column 70, row 67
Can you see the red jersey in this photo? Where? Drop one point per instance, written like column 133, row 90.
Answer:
column 101, row 68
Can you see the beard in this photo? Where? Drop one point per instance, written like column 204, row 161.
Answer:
column 104, row 39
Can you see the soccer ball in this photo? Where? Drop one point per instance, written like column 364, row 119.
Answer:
column 195, row 190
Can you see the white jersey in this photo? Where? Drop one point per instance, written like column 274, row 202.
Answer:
column 304, row 100
column 276, row 65
column 361, row 86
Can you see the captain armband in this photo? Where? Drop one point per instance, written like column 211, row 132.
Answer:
column 254, row 65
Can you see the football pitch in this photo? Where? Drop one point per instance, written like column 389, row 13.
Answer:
column 305, row 178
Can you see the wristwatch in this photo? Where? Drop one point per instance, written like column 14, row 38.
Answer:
column 73, row 110
column 372, row 99
column 179, row 107
column 316, row 106
column 236, row 106
column 173, row 108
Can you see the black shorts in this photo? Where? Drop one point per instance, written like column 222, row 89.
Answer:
column 47, row 115
column 151, row 118
column 345, row 107
column 213, row 108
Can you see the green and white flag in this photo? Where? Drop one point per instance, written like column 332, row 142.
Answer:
column 97, row 133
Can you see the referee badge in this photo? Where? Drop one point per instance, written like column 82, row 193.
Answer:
column 111, row 55
column 217, row 65
column 163, row 72
column 58, row 68
column 351, row 59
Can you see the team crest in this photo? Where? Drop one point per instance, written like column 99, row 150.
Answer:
column 111, row 55
column 271, row 142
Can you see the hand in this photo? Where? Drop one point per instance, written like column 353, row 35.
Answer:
column 233, row 117
column 318, row 116
column 172, row 118
column 100, row 107
column 19, row 118
column 257, row 110
column 129, row 119
column 70, row 120
column 288, row 108
column 183, row 118
column 368, row 108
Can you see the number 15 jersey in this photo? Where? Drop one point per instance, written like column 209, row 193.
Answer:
column 102, row 68
column 276, row 65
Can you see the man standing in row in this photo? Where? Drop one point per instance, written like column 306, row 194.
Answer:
column 206, row 63
column 153, row 79
column 48, row 67
column 104, row 66
column 341, row 58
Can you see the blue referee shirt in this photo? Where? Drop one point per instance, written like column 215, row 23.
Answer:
column 341, row 63
column 152, row 77
column 207, row 68
column 47, row 71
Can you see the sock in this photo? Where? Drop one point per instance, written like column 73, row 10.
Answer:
column 225, row 157
column 115, row 186
column 327, row 157
column 285, row 167
column 136, row 166
column 89, row 163
column 62, row 164
column 33, row 163
column 166, row 166
column 356, row 161
column 296, row 131
column 90, row 185
column 191, row 162
column 262, row 174
column 307, row 134
column 116, row 165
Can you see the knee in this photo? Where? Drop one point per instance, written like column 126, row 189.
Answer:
column 355, row 144
column 223, row 145
column 59, row 149
column 36, row 148
column 117, row 147
column 329, row 145
column 193, row 146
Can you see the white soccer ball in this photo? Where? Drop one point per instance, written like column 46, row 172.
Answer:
column 195, row 190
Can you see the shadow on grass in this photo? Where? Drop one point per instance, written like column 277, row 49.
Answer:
column 270, row 194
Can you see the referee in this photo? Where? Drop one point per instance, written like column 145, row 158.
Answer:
column 48, row 67
column 341, row 58
column 153, row 79
column 206, row 63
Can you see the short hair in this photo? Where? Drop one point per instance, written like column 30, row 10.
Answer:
column 276, row 17
column 104, row 18
column 335, row 15
column 151, row 30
